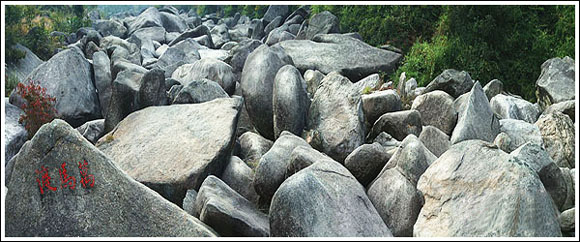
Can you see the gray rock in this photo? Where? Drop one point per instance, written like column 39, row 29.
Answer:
column 220, row 35
column 519, row 133
column 92, row 130
column 556, row 81
column 557, row 131
column 257, row 82
column 14, row 133
column 185, row 52
column 240, row 177
column 366, row 161
column 567, row 222
column 23, row 66
column 126, row 66
column 451, row 81
column 197, row 32
column 144, row 144
column 199, row 91
column 290, row 101
column 475, row 118
column 230, row 214
column 103, row 79
column 159, row 51
column 335, row 52
column 332, row 204
column 131, row 54
column 258, row 32
column 459, row 101
column 437, row 110
column 398, row 124
column 241, row 52
column 172, row 22
column 278, row 35
column 336, row 114
column 152, row 89
column 207, row 68
column 537, row 159
column 435, row 140
column 322, row 23
column 90, row 49
column 150, row 33
column 493, row 88
column 313, row 78
column 253, row 147
column 508, row 107
column 148, row 18
column 379, row 103
column 565, row 107
column 110, row 27
column 229, row 45
column 240, row 32
column 569, row 178
column 76, row 96
column 275, row 23
column 275, row 11
column 124, row 92
column 271, row 169
column 461, row 202
column 370, row 82
column 411, row 158
column 114, row 205
column 302, row 157
column 218, row 54
column 189, row 201
column 386, row 140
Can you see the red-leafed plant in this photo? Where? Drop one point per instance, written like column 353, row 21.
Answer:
column 38, row 108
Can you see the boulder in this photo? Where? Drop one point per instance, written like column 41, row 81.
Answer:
column 557, row 131
column 207, row 68
column 76, row 96
column 103, row 79
column 253, row 147
column 387, row 141
column 240, row 177
column 290, row 102
column 332, row 204
column 312, row 78
column 189, row 201
column 565, row 107
column 148, row 18
column 508, row 200
column 508, row 107
column 124, row 94
column 411, row 159
column 271, row 169
column 23, row 66
column 398, row 124
column 92, row 130
column 278, row 35
column 197, row 32
column 241, row 52
column 475, row 118
column 537, row 159
column 556, row 81
column 336, row 115
column 435, row 140
column 334, row 52
column 240, row 32
column 185, row 52
column 569, row 178
column 410, row 87
column 451, row 81
column 275, row 23
column 519, row 132
column 567, row 222
column 120, row 54
column 226, row 211
column 366, row 161
column 144, row 144
column 493, row 88
column 220, row 35
column 258, row 32
column 437, row 110
column 152, row 89
column 322, row 23
column 14, row 133
column 257, row 81
column 172, row 22
column 105, row 202
column 199, row 91
column 275, row 11
column 302, row 157
column 371, row 82
column 150, row 33
column 110, row 27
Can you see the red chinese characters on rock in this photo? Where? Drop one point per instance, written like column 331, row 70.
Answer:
column 66, row 180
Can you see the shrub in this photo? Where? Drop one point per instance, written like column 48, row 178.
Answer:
column 38, row 108
column 11, row 83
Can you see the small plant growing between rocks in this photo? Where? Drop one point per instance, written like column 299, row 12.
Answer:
column 38, row 108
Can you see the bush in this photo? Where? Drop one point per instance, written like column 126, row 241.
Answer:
column 38, row 108
column 11, row 83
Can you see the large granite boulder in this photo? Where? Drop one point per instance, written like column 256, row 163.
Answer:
column 337, row 117
column 23, row 66
column 398, row 124
column 124, row 93
column 172, row 22
column 257, row 81
column 144, row 144
column 565, row 107
column 437, row 110
column 451, row 81
column 110, row 27
column 103, row 79
column 379, row 103
column 435, row 140
column 253, row 147
column 519, row 133
column 335, row 52
column 148, row 18
column 76, row 96
column 226, row 211
column 199, row 91
column 184, row 52
column 290, row 101
column 208, row 68
column 503, row 197
column 509, row 107
column 275, row 11
column 96, row 199
column 92, row 130
column 331, row 204
column 322, row 23
column 14, row 133
column 475, row 118
column 558, row 134
column 556, row 81
column 366, row 162
column 240, row 177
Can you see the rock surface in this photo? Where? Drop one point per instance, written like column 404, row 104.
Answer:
column 398, row 124
column 557, row 132
column 509, row 107
column 475, row 118
column 240, row 177
column 451, row 81
column 556, row 82
column 366, row 162
column 435, row 140
column 290, row 101
column 437, row 110
column 14, row 133
column 379, row 103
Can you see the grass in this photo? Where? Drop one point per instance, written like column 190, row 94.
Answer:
column 11, row 83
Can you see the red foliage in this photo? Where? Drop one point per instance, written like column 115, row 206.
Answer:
column 38, row 109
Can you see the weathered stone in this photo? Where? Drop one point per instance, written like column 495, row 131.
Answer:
column 452, row 82
column 567, row 222
column 475, row 119
column 398, row 124
column 172, row 22
column 570, row 180
column 199, row 91
column 92, row 130
column 124, row 92
column 114, row 205
column 332, row 204
column 366, row 162
column 565, row 107
column 368, row 83
column 14, row 133
column 302, row 157
column 204, row 132
column 103, row 79
column 437, row 110
column 435, row 140
column 313, row 78
column 379, row 103
column 275, row 11
column 336, row 114
column 148, row 18
column 290, row 101
column 557, row 131
column 322, row 23
column 519, row 133
column 556, row 82
column 503, row 198
column 207, row 68
column 197, row 32
column 110, row 27
column 152, row 89
column 23, row 66
column 240, row 177
column 189, row 201
column 185, row 52
column 253, row 147
column 508, row 107
column 493, row 88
